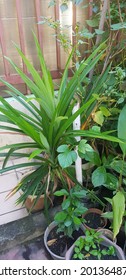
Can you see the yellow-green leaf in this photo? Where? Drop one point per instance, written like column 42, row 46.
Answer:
column 98, row 117
column 35, row 153
column 118, row 204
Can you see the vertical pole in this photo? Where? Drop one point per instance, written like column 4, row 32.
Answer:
column 78, row 163
column 57, row 17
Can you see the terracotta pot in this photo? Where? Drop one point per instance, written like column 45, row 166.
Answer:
column 94, row 211
column 39, row 204
column 106, row 242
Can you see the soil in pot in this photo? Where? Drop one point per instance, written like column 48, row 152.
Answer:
column 93, row 219
column 58, row 243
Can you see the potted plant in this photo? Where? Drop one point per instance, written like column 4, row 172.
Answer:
column 94, row 246
column 67, row 224
column 93, row 219
column 47, row 121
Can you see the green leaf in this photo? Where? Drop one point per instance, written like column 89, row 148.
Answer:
column 63, row 7
column 98, row 117
column 68, row 222
column 87, row 34
column 35, row 153
column 92, row 22
column 65, row 204
column 99, row 31
column 118, row 204
column 67, row 158
column 119, row 166
column 61, row 216
column 105, row 111
column 83, row 147
column 52, row 3
column 62, row 192
column 99, row 176
column 111, row 182
column 76, row 221
column 122, row 129
column 108, row 215
column 118, row 26
column 44, row 141
column 80, row 194
column 62, row 148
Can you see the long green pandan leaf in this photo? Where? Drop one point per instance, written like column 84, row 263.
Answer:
column 16, row 166
column 122, row 129
column 36, row 87
column 79, row 75
column 68, row 122
column 93, row 134
column 118, row 204
column 21, row 98
column 18, row 120
column 47, row 78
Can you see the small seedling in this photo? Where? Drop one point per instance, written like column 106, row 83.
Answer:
column 90, row 246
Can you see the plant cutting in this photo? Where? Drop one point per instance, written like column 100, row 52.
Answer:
column 47, row 122
column 67, row 225
column 94, row 246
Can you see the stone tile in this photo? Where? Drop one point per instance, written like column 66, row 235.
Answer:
column 31, row 250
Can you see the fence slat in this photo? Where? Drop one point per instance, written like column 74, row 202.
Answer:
column 57, row 16
column 39, row 26
column 4, row 51
column 20, row 29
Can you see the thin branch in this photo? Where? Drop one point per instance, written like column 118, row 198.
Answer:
column 120, row 15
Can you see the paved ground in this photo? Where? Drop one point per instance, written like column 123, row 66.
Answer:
column 32, row 250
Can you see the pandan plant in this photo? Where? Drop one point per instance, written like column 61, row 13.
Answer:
column 47, row 122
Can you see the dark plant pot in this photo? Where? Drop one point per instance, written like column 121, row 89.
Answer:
column 93, row 219
column 106, row 242
column 46, row 235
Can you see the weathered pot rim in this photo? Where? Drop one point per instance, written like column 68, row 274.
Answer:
column 97, row 211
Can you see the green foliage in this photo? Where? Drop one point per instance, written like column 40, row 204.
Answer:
column 89, row 245
column 66, row 156
column 70, row 218
column 122, row 129
column 118, row 205
column 48, row 124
